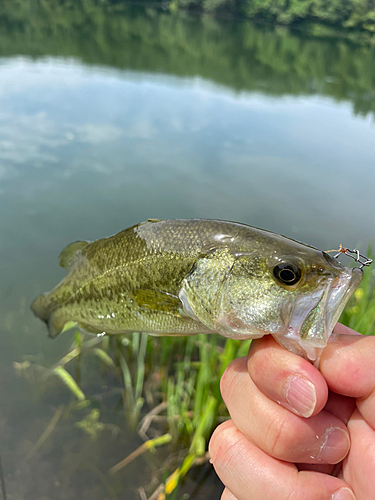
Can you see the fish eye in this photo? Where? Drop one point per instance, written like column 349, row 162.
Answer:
column 287, row 273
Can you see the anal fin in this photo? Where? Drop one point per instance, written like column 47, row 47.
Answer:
column 90, row 328
column 56, row 324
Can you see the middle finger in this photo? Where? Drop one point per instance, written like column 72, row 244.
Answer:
column 322, row 438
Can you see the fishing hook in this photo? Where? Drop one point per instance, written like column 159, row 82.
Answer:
column 353, row 254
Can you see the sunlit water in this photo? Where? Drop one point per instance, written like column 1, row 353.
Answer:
column 91, row 144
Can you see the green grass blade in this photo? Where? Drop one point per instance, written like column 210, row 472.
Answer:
column 103, row 356
column 141, row 366
column 69, row 382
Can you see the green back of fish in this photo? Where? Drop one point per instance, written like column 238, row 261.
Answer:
column 131, row 281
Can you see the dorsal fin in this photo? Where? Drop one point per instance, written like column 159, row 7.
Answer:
column 67, row 256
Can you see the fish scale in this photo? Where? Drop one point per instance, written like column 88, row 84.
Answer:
column 185, row 276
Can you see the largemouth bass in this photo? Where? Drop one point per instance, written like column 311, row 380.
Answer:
column 182, row 277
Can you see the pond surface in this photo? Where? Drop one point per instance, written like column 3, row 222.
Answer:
column 110, row 116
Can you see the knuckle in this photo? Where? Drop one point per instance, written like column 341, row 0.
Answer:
column 278, row 436
column 219, row 441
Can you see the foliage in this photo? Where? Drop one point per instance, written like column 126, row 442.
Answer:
column 358, row 14
column 240, row 55
column 352, row 14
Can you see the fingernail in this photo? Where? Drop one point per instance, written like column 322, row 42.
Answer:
column 343, row 494
column 300, row 394
column 335, row 446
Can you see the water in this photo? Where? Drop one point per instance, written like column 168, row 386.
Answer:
column 110, row 116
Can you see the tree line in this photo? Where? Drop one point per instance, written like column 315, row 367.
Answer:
column 244, row 56
column 349, row 14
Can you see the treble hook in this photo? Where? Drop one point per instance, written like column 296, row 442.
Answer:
column 353, row 254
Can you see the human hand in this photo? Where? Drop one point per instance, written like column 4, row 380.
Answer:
column 297, row 433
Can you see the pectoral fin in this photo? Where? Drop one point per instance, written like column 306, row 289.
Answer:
column 157, row 300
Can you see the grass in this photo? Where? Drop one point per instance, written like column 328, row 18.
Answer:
column 359, row 313
column 170, row 386
column 185, row 371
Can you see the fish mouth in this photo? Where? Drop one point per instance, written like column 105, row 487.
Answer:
column 315, row 315
column 339, row 293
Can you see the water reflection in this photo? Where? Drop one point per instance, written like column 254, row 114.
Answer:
column 165, row 147
column 239, row 55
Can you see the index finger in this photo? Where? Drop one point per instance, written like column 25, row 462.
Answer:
column 286, row 378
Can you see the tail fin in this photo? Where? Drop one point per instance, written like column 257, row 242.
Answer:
column 40, row 307
column 53, row 317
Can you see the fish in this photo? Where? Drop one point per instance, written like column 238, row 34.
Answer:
column 190, row 276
